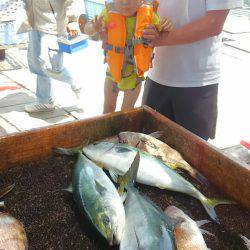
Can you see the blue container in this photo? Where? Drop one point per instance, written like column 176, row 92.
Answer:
column 93, row 8
column 73, row 45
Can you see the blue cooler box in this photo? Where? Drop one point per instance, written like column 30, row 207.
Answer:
column 71, row 45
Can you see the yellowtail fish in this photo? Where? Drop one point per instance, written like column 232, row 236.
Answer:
column 97, row 197
column 159, row 149
column 12, row 233
column 147, row 227
column 118, row 157
column 188, row 235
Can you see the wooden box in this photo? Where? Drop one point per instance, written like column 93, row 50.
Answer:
column 222, row 171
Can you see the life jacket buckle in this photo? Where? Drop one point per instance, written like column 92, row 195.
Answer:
column 119, row 50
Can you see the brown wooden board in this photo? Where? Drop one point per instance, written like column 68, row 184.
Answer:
column 36, row 144
column 225, row 173
column 221, row 170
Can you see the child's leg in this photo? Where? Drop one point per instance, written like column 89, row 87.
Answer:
column 110, row 96
column 130, row 98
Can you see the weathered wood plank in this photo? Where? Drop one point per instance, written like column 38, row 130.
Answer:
column 224, row 172
column 37, row 143
column 6, row 128
column 37, row 120
column 221, row 170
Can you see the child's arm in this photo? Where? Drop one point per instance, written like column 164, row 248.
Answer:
column 94, row 26
column 97, row 25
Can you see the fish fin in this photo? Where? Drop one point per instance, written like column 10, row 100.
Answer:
column 6, row 190
column 128, row 179
column 201, row 223
column 67, row 151
column 114, row 175
column 209, row 205
column 157, row 134
column 137, row 239
column 160, row 186
column 199, row 177
column 70, row 151
column 100, row 188
column 69, row 188
column 246, row 240
column 1, row 204
column 124, row 197
column 203, row 231
column 192, row 171
column 202, row 179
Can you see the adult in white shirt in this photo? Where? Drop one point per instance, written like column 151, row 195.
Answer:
column 183, row 83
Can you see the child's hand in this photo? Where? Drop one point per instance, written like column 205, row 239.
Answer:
column 94, row 26
column 72, row 29
column 166, row 24
column 82, row 20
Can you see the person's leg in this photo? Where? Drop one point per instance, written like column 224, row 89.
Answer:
column 43, row 88
column 57, row 70
column 196, row 109
column 130, row 98
column 157, row 97
column 110, row 96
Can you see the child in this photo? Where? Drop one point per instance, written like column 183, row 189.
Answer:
column 126, row 52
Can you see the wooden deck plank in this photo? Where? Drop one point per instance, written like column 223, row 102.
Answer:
column 34, row 121
column 15, row 97
column 6, row 128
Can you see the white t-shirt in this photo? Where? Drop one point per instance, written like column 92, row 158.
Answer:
column 190, row 65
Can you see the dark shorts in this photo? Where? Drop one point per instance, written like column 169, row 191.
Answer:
column 193, row 108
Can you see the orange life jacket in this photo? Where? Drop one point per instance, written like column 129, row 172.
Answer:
column 116, row 43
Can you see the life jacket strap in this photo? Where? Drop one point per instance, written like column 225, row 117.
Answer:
column 140, row 40
column 118, row 50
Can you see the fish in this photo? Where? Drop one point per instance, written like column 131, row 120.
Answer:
column 151, row 144
column 118, row 157
column 96, row 195
column 147, row 227
column 4, row 192
column 12, row 233
column 246, row 241
column 188, row 235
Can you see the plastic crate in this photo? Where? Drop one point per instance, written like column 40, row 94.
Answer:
column 93, row 8
column 8, row 35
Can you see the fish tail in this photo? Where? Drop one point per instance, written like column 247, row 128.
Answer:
column 157, row 134
column 199, row 177
column 246, row 240
column 129, row 177
column 210, row 204
column 193, row 172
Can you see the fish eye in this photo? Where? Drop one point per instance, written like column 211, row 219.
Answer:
column 105, row 220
